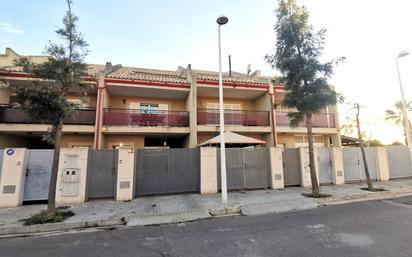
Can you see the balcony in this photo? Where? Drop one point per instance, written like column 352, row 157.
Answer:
column 8, row 114
column 319, row 120
column 233, row 117
column 149, row 118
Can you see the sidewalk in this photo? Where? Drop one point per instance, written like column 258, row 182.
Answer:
column 179, row 208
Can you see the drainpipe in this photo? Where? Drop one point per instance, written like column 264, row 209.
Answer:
column 273, row 114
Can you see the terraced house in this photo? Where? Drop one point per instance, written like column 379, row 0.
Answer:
column 129, row 107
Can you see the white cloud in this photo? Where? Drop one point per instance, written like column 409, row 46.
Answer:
column 10, row 28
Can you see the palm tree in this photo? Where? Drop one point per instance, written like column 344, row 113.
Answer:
column 397, row 115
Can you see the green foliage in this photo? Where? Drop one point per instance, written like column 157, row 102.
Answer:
column 397, row 115
column 396, row 143
column 298, row 50
column 63, row 71
column 373, row 142
column 42, row 217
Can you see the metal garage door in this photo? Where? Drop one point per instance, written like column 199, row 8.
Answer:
column 166, row 171
column 101, row 173
column 353, row 164
column 399, row 161
column 291, row 167
column 246, row 168
column 324, row 156
column 38, row 174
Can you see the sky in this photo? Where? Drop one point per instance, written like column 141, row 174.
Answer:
column 164, row 34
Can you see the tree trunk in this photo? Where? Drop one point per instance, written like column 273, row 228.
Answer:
column 51, row 206
column 365, row 163
column 313, row 177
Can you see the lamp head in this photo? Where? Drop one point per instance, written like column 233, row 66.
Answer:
column 222, row 20
column 403, row 53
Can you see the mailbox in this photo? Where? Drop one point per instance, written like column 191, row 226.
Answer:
column 70, row 182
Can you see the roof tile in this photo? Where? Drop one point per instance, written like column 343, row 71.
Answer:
column 148, row 75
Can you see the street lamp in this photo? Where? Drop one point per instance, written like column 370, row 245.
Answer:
column 404, row 112
column 222, row 20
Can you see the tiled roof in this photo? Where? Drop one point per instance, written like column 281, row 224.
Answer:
column 235, row 77
column 148, row 75
column 13, row 69
column 132, row 73
column 92, row 69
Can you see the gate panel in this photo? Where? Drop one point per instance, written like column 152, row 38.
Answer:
column 164, row 171
column 372, row 161
column 257, row 167
column 38, row 174
column 184, row 170
column 235, row 170
column 246, row 168
column 399, row 161
column 152, row 176
column 351, row 164
column 325, row 165
column 101, row 173
column 291, row 167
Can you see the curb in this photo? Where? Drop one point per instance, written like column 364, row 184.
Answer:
column 173, row 218
column 52, row 227
column 363, row 197
column 228, row 210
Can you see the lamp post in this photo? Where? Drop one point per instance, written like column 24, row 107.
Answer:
column 222, row 20
column 404, row 112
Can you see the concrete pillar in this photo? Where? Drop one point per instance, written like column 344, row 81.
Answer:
column 72, row 176
column 336, row 139
column 12, row 177
column 208, row 170
column 306, row 181
column 383, row 166
column 264, row 103
column 101, row 97
column 4, row 95
column 191, row 107
column 337, row 166
column 276, row 168
column 125, row 175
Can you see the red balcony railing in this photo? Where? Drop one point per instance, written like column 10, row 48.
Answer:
column 319, row 120
column 9, row 114
column 233, row 117
column 137, row 117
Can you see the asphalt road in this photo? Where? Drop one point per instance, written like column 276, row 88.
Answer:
column 377, row 228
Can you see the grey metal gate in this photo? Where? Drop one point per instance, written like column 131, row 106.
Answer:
column 101, row 173
column 399, row 161
column 38, row 174
column 353, row 164
column 324, row 156
column 166, row 171
column 246, row 168
column 291, row 167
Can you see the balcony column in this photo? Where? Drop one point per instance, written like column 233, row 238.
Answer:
column 4, row 94
column 264, row 103
column 100, row 86
column 273, row 114
column 191, row 107
column 336, row 140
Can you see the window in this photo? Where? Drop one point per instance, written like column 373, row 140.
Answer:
column 78, row 103
column 123, row 146
column 148, row 108
column 227, row 106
